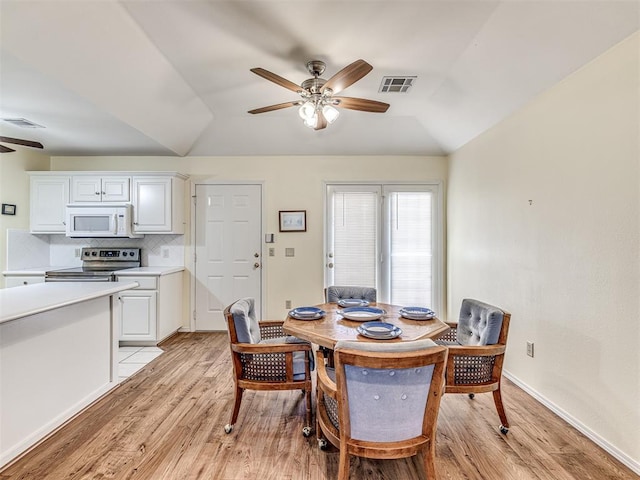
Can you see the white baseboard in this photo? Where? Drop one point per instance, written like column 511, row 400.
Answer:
column 594, row 437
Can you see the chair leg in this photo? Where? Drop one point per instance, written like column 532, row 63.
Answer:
column 497, row 399
column 428, row 454
column 236, row 409
column 343, row 467
column 307, row 395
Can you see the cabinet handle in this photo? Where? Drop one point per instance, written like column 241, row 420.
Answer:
column 104, row 193
column 97, row 193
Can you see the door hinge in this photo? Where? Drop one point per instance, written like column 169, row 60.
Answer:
column 194, row 199
column 195, row 257
column 194, row 314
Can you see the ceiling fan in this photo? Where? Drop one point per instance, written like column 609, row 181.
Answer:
column 317, row 103
column 17, row 141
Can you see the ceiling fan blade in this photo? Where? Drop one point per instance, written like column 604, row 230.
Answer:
column 19, row 141
column 322, row 122
column 348, row 76
column 272, row 77
column 4, row 149
column 271, row 108
column 361, row 104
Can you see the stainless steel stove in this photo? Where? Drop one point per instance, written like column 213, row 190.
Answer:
column 98, row 265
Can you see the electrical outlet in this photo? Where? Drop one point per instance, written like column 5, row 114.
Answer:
column 287, row 304
column 78, row 252
column 530, row 349
column 272, row 252
column 289, row 252
column 165, row 252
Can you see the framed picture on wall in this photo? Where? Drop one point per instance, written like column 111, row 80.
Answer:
column 8, row 209
column 293, row 220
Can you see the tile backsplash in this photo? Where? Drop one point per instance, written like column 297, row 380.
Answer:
column 25, row 250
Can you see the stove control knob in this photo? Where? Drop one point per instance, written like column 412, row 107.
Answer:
column 86, row 254
column 94, row 254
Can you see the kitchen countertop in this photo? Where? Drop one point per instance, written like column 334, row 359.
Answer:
column 21, row 302
column 149, row 271
column 159, row 270
column 35, row 270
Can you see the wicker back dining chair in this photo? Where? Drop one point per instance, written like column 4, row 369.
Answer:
column 477, row 343
column 264, row 358
column 335, row 293
column 381, row 401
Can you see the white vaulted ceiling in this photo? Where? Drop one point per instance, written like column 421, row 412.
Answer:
column 172, row 77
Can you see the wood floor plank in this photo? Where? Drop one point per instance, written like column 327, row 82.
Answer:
column 166, row 422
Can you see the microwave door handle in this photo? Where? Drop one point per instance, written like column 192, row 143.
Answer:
column 114, row 228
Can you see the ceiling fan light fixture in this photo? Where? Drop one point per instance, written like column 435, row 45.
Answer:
column 311, row 122
column 330, row 113
column 307, row 110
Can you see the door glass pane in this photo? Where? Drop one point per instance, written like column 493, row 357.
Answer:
column 410, row 248
column 355, row 238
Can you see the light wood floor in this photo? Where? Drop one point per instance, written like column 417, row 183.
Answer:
column 166, row 422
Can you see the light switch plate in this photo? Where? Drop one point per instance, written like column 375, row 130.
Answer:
column 289, row 252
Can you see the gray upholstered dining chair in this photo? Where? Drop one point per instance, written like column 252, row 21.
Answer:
column 335, row 293
column 265, row 358
column 381, row 401
column 477, row 343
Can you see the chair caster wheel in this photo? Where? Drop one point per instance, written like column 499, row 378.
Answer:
column 228, row 428
column 504, row 430
column 322, row 444
column 306, row 431
column 472, row 396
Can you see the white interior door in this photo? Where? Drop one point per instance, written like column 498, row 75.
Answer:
column 228, row 239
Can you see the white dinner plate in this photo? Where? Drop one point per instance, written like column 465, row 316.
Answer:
column 362, row 314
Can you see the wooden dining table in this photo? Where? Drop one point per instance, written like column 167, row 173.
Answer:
column 333, row 327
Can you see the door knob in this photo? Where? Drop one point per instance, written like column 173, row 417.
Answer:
column 256, row 265
column 256, row 254
column 330, row 265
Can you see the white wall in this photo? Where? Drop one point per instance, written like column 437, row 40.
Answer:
column 290, row 183
column 14, row 189
column 543, row 221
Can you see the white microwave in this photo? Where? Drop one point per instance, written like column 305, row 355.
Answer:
column 104, row 220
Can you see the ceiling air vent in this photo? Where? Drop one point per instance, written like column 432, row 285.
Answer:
column 22, row 122
column 396, row 84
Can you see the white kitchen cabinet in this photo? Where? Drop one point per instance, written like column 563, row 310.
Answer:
column 138, row 315
column 18, row 281
column 151, row 312
column 93, row 189
column 158, row 204
column 49, row 196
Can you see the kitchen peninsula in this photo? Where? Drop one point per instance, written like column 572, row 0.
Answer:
column 58, row 354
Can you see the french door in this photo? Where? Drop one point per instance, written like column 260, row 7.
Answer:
column 387, row 236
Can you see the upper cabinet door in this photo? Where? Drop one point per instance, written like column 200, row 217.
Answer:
column 152, row 204
column 87, row 189
column 116, row 189
column 49, row 197
column 158, row 205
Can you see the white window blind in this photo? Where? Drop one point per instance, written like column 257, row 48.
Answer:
column 410, row 248
column 355, row 238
